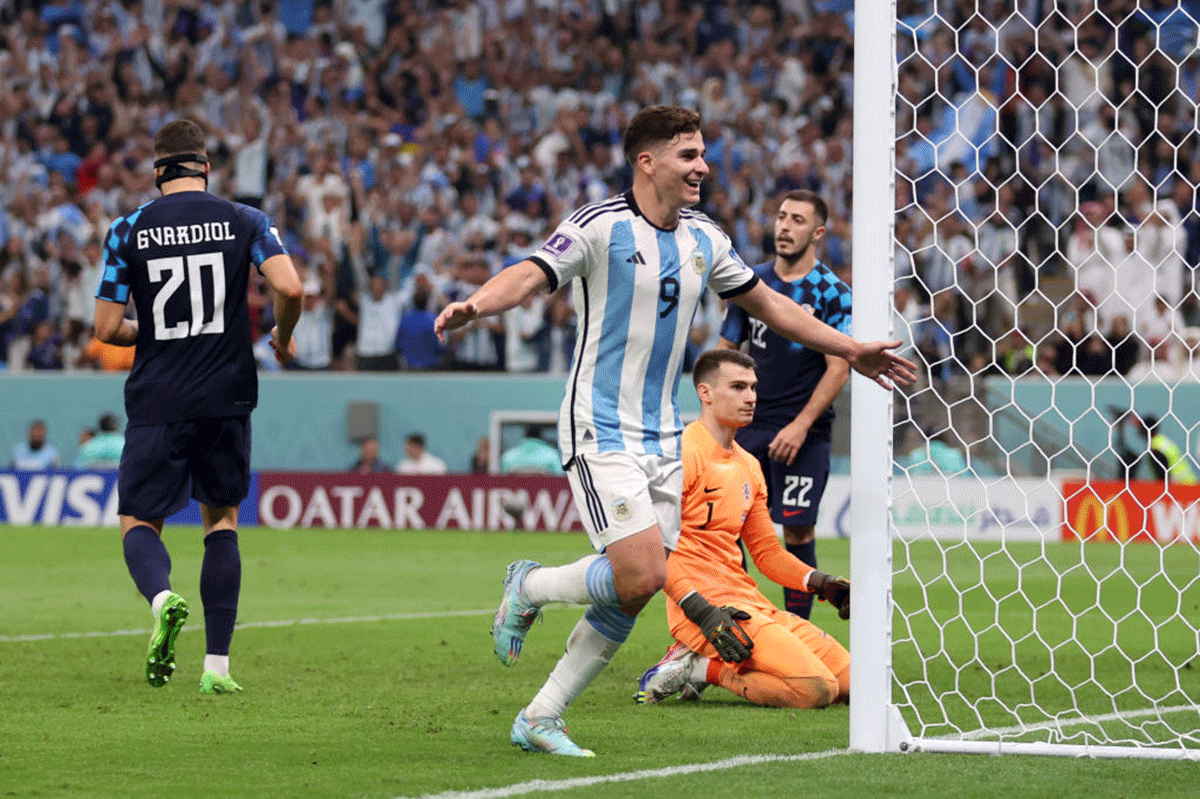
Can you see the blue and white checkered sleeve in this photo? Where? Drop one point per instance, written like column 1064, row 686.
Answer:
column 114, row 283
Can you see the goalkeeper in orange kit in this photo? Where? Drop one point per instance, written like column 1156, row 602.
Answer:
column 727, row 632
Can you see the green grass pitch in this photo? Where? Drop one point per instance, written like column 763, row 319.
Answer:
column 368, row 673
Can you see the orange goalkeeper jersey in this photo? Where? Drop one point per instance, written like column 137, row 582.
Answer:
column 724, row 499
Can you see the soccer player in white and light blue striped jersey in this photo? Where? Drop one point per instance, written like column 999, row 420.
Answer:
column 639, row 263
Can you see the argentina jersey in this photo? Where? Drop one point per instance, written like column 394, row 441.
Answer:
column 636, row 291
column 788, row 372
column 184, row 259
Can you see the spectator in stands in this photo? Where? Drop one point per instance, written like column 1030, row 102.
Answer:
column 481, row 458
column 524, row 329
column 940, row 454
column 369, row 461
column 1015, row 353
column 478, row 345
column 36, row 454
column 416, row 343
column 314, row 331
column 251, row 162
column 45, row 351
column 531, row 455
column 103, row 449
column 378, row 322
column 1162, row 458
column 558, row 343
column 417, row 459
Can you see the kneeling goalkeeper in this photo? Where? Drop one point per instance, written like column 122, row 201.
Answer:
column 727, row 632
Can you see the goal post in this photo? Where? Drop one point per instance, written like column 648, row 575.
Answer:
column 874, row 724
column 1025, row 582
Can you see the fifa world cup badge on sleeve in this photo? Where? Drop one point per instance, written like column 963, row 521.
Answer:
column 558, row 244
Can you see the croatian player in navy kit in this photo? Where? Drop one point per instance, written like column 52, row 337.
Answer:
column 185, row 261
column 639, row 263
column 793, row 420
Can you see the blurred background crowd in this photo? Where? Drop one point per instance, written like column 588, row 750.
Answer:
column 1046, row 163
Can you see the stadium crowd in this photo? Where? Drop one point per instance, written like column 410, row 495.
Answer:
column 1064, row 148
column 410, row 149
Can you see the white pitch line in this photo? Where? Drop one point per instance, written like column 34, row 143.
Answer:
column 546, row 786
column 446, row 614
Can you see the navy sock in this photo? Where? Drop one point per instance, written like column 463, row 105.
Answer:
column 800, row 602
column 148, row 561
column 220, row 584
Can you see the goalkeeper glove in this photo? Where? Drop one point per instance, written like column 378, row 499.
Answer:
column 720, row 626
column 834, row 590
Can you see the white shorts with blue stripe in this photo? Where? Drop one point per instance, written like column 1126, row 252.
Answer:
column 619, row 494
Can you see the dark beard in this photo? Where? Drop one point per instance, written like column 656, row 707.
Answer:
column 794, row 259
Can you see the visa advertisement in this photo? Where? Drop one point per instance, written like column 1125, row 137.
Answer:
column 85, row 498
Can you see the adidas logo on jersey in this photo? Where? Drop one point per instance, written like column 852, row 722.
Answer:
column 636, row 258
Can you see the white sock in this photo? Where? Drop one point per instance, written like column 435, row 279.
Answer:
column 157, row 603
column 560, row 583
column 588, row 652
column 699, row 671
column 217, row 663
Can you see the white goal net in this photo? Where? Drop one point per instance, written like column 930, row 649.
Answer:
column 1031, row 580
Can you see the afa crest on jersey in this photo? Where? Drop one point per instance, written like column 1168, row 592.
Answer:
column 698, row 263
column 621, row 509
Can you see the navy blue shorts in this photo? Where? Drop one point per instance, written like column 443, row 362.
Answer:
column 793, row 492
column 161, row 462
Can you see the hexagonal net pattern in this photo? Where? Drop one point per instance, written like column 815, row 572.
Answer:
column 1046, row 521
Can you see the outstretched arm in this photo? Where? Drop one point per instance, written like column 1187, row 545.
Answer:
column 785, row 317
column 503, row 292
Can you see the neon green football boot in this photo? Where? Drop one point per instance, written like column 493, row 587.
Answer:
column 160, row 659
column 213, row 683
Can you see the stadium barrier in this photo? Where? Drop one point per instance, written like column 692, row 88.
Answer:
column 315, row 499
column 393, row 501
column 964, row 508
column 1148, row 512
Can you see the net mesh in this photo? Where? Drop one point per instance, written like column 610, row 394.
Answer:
column 1046, row 579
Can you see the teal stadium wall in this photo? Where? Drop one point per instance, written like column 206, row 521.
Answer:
column 1075, row 410
column 300, row 423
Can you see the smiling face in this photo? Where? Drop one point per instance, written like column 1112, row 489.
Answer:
column 797, row 227
column 676, row 169
column 666, row 149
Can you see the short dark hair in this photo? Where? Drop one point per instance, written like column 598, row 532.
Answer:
column 710, row 361
column 657, row 124
column 812, row 198
column 179, row 137
column 108, row 423
column 416, row 438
